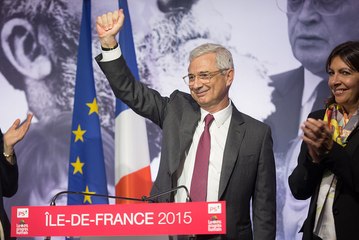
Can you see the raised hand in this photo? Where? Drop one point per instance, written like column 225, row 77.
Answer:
column 318, row 137
column 15, row 134
column 108, row 25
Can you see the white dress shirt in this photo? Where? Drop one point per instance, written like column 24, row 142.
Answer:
column 219, row 132
column 309, row 96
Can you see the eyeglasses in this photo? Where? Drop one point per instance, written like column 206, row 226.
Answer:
column 324, row 7
column 205, row 77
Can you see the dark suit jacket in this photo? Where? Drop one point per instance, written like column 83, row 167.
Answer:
column 287, row 99
column 305, row 180
column 248, row 169
column 8, row 186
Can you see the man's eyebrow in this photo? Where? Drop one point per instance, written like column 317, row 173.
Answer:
column 200, row 72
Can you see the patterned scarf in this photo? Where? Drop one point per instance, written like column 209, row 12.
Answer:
column 340, row 123
column 341, row 126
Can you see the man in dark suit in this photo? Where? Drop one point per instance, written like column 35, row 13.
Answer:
column 314, row 29
column 241, row 163
column 8, row 169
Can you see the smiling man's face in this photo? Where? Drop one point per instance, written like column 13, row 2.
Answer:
column 211, row 96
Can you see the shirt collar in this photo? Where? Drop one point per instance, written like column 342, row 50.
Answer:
column 311, row 82
column 221, row 116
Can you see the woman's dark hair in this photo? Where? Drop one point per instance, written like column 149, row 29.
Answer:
column 348, row 53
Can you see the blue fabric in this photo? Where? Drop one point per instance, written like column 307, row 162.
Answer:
column 90, row 150
column 127, row 49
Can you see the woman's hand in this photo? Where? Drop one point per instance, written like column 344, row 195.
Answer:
column 318, row 137
column 15, row 134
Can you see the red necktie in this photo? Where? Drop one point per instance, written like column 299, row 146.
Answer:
column 200, row 171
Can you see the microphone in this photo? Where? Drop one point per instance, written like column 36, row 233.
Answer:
column 153, row 197
column 188, row 199
column 53, row 200
column 143, row 199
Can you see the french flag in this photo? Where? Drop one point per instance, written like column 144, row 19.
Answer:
column 132, row 158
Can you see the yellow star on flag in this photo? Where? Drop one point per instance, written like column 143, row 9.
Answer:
column 93, row 106
column 77, row 166
column 79, row 133
column 87, row 198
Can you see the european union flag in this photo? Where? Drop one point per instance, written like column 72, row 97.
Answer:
column 86, row 168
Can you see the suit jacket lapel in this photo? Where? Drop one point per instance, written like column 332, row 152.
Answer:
column 190, row 118
column 351, row 147
column 287, row 98
column 353, row 143
column 235, row 136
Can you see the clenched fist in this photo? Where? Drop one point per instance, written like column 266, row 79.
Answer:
column 107, row 27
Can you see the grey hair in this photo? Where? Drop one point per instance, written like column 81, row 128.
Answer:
column 223, row 56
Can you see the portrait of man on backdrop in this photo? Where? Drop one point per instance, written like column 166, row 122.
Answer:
column 38, row 52
column 314, row 29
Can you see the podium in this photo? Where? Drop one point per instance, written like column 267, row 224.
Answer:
column 145, row 219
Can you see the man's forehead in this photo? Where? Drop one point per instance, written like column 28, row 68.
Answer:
column 203, row 60
column 335, row 7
